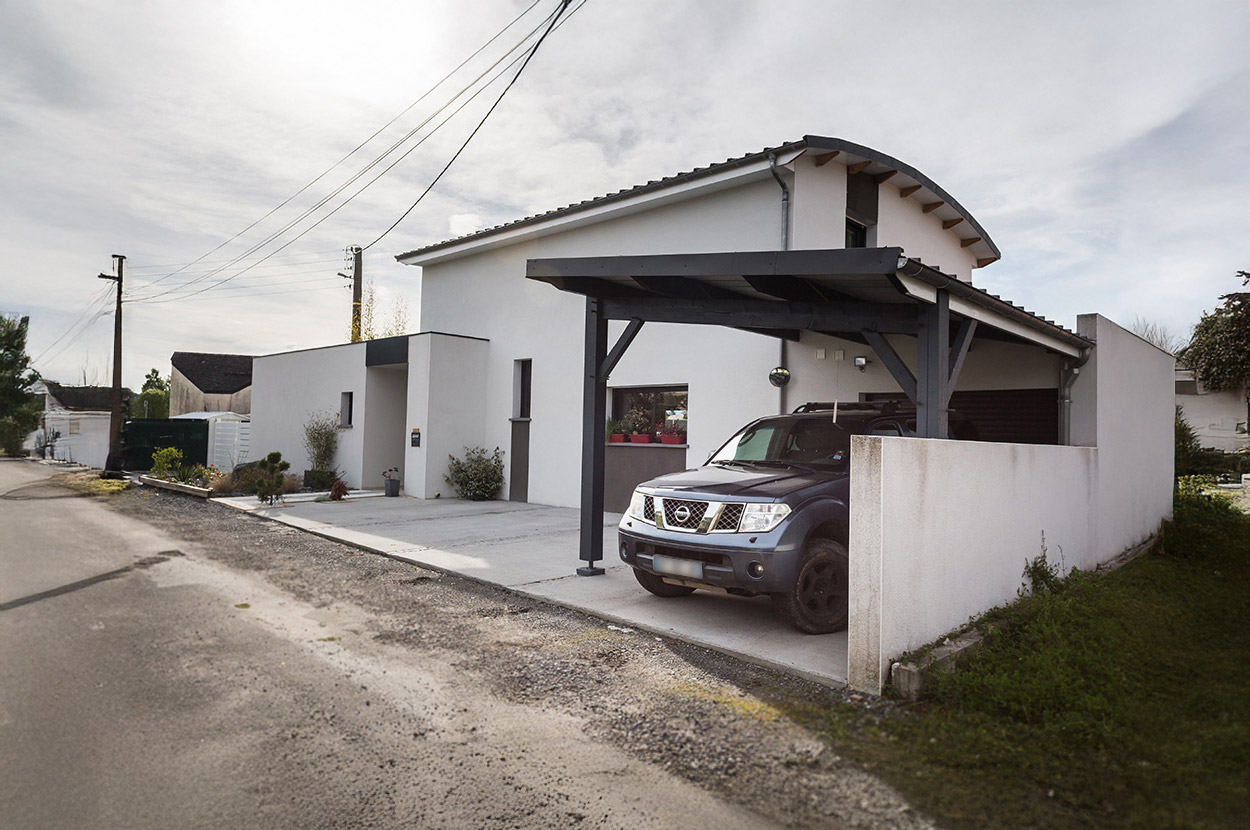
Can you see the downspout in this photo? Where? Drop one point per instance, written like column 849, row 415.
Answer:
column 782, row 407
column 1071, row 371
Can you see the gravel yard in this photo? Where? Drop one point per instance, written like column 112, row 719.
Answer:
column 731, row 727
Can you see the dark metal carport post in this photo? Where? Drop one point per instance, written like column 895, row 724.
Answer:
column 594, row 413
column 933, row 368
column 599, row 364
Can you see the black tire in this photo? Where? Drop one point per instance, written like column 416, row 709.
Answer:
column 659, row 587
column 817, row 604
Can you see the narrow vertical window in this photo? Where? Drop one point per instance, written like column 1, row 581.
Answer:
column 522, row 386
column 345, row 409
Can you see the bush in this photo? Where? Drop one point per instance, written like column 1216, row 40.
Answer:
column 338, row 490
column 166, row 462
column 270, row 485
column 321, row 441
column 320, row 479
column 476, row 477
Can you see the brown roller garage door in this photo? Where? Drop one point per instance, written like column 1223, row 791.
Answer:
column 1015, row 416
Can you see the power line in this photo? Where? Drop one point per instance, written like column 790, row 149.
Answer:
column 301, row 234
column 563, row 5
column 349, row 155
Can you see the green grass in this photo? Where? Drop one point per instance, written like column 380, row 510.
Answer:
column 1121, row 700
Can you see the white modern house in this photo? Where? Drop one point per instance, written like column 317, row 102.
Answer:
column 1218, row 419
column 674, row 301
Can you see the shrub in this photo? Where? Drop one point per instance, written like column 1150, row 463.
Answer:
column 1202, row 522
column 320, row 479
column 166, row 461
column 476, row 477
column 338, row 490
column 270, row 485
column 321, row 440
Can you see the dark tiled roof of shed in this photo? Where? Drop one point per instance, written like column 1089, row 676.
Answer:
column 215, row 374
column 83, row 398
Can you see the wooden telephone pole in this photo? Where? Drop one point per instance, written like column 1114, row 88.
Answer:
column 356, row 276
column 114, row 462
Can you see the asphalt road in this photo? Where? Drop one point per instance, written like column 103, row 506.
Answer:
column 167, row 662
column 149, row 700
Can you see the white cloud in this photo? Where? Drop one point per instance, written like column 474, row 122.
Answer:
column 1099, row 144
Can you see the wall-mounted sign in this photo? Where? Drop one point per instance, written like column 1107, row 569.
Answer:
column 779, row 376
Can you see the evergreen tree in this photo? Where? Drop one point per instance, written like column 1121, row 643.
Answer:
column 19, row 406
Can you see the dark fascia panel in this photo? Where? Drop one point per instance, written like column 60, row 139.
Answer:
column 839, row 261
column 386, row 351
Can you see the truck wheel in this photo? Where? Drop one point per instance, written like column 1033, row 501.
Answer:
column 659, row 587
column 817, row 603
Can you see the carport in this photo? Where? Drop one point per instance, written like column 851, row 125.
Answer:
column 860, row 294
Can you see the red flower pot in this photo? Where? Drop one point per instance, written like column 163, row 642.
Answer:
column 640, row 439
column 672, row 439
column 616, row 438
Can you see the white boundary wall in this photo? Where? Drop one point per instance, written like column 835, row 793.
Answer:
column 941, row 530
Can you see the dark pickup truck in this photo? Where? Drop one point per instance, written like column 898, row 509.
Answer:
column 767, row 514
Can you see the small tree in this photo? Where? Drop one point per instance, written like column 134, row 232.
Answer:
column 19, row 406
column 476, row 477
column 321, row 442
column 1219, row 350
column 272, row 476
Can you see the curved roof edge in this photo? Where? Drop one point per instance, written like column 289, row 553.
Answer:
column 878, row 164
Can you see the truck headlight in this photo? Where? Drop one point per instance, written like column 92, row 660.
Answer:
column 760, row 518
column 637, row 504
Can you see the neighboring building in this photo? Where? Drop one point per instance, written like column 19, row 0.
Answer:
column 1218, row 419
column 210, row 383
column 76, row 423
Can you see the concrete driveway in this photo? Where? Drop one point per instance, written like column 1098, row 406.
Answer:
column 532, row 550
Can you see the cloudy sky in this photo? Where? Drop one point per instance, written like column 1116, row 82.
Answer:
column 1103, row 145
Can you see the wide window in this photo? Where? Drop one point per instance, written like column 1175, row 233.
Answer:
column 652, row 410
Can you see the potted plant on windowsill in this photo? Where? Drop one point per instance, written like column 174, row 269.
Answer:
column 639, row 426
column 391, row 481
column 616, row 431
column 672, row 432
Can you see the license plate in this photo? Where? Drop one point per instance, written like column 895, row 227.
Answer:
column 677, row 567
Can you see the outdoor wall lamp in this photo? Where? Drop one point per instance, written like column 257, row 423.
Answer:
column 861, row 362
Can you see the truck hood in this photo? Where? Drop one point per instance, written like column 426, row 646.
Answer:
column 744, row 482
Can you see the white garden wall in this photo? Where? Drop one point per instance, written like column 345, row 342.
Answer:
column 941, row 530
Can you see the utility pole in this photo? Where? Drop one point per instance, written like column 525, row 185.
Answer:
column 356, row 276
column 114, row 462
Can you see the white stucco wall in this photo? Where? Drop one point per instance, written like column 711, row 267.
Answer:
column 87, row 444
column 1214, row 417
column 989, row 365
column 1126, row 394
column 287, row 388
column 447, row 393
column 941, row 530
column 902, row 221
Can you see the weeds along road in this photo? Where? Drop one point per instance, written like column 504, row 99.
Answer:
column 173, row 663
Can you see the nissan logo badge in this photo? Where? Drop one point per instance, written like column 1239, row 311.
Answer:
column 681, row 513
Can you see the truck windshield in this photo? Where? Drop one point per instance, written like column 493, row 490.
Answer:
column 803, row 442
